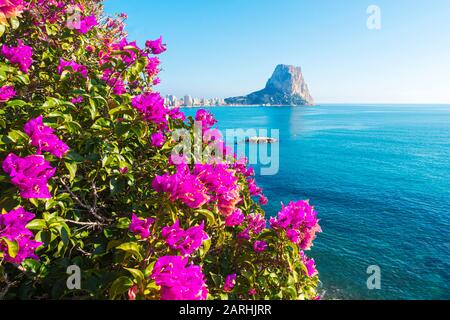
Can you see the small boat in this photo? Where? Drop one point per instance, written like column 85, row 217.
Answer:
column 259, row 140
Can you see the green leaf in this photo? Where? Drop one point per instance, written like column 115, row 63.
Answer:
column 31, row 265
column 13, row 247
column 123, row 223
column 120, row 286
column 16, row 103
column 93, row 109
column 208, row 215
column 205, row 247
column 72, row 167
column 16, row 135
column 2, row 29
column 149, row 270
column 37, row 225
column 23, row 78
column 137, row 274
column 132, row 248
column 14, row 22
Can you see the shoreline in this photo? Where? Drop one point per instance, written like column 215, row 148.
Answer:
column 246, row 106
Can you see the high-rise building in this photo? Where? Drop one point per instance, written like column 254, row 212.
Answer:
column 188, row 102
column 172, row 101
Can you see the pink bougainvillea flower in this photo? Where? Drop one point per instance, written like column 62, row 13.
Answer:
column 206, row 119
column 72, row 66
column 30, row 175
column 183, row 186
column 151, row 106
column 20, row 55
column 252, row 292
column 221, row 184
column 124, row 170
column 158, row 139
column 294, row 235
column 256, row 223
column 77, row 100
column 36, row 126
column 299, row 221
column 176, row 114
column 132, row 293
column 185, row 241
column 141, row 227
column 43, row 138
column 118, row 86
column 152, row 66
column 7, row 92
column 309, row 264
column 235, row 219
column 230, row 282
column 129, row 56
column 263, row 200
column 253, row 188
column 13, row 227
column 260, row 246
column 156, row 46
column 244, row 234
column 10, row 9
column 179, row 281
column 86, row 24
column 156, row 81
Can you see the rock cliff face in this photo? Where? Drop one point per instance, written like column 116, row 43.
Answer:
column 286, row 87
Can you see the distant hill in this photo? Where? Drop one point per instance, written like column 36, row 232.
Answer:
column 286, row 87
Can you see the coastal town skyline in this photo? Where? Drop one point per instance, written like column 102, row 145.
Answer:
column 187, row 100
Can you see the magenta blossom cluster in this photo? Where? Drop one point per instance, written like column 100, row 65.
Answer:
column 72, row 66
column 30, row 175
column 260, row 246
column 176, row 114
column 185, row 241
column 6, row 93
column 77, row 100
column 86, row 24
column 156, row 46
column 241, row 167
column 178, row 281
column 20, row 55
column 182, row 186
column 43, row 138
column 299, row 221
column 255, row 225
column 113, row 80
column 129, row 56
column 256, row 191
column 151, row 106
column 235, row 219
column 309, row 264
column 13, row 227
column 152, row 67
column 127, row 53
column 207, row 183
column 205, row 118
column 141, row 227
column 158, row 139
column 230, row 282
column 222, row 185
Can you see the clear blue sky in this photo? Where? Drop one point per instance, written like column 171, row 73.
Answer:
column 230, row 47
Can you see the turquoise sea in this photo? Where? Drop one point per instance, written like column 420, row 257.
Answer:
column 379, row 176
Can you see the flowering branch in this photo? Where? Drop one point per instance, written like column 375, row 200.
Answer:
column 92, row 209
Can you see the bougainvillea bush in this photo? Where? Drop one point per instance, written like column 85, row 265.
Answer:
column 88, row 177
